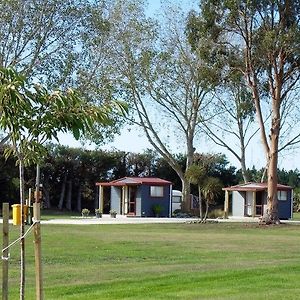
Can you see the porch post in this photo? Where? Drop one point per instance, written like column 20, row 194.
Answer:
column 126, row 199
column 254, row 205
column 101, row 198
column 124, row 212
column 226, row 204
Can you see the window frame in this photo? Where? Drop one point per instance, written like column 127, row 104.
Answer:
column 282, row 195
column 157, row 191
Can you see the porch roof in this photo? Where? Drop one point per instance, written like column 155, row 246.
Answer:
column 135, row 181
column 255, row 186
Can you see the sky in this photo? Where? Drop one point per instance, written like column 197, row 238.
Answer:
column 132, row 139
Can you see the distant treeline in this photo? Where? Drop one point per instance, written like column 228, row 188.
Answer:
column 69, row 175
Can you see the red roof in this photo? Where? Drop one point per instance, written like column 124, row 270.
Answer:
column 255, row 186
column 135, row 181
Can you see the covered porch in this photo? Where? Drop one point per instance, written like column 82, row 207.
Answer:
column 250, row 200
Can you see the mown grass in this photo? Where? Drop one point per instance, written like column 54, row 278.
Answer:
column 164, row 261
column 296, row 216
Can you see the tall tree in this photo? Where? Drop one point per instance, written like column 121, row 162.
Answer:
column 259, row 40
column 153, row 68
column 231, row 126
column 45, row 40
column 39, row 38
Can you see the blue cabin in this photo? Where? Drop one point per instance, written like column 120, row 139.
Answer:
column 137, row 196
column 250, row 200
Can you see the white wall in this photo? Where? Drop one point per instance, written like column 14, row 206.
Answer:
column 115, row 199
column 238, row 204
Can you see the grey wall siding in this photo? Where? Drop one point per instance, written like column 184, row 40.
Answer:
column 115, row 199
column 238, row 202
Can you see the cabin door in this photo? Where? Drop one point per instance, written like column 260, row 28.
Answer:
column 132, row 200
column 259, row 204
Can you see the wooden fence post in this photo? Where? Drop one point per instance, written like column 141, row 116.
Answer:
column 37, row 251
column 5, row 215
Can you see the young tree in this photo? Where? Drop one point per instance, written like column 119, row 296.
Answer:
column 30, row 115
column 259, row 40
column 212, row 187
column 196, row 174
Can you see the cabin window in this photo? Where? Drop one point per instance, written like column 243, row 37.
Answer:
column 156, row 191
column 282, row 195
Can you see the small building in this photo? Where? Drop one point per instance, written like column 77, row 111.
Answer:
column 137, row 196
column 250, row 200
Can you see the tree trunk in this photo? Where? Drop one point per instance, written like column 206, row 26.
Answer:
column 206, row 211
column 69, row 196
column 96, row 197
column 200, row 204
column 22, row 231
column 243, row 166
column 78, row 205
column 46, row 202
column 243, row 148
column 62, row 193
column 271, row 215
column 185, row 206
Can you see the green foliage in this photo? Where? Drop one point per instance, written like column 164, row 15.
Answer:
column 30, row 114
column 98, row 212
column 216, row 213
column 157, row 209
column 113, row 213
column 211, row 188
column 195, row 174
column 296, row 200
column 85, row 212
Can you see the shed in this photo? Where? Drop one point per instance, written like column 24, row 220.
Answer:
column 136, row 196
column 250, row 200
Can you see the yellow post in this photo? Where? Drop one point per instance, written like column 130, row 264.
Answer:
column 38, row 251
column 16, row 214
column 5, row 228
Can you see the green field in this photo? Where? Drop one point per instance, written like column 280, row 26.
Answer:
column 171, row 261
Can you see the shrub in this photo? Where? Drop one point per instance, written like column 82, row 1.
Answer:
column 113, row 213
column 216, row 213
column 157, row 209
column 85, row 212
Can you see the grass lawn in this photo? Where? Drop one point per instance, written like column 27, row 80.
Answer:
column 296, row 216
column 169, row 261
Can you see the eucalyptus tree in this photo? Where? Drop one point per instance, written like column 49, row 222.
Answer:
column 151, row 66
column 260, row 41
column 39, row 38
column 231, row 125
